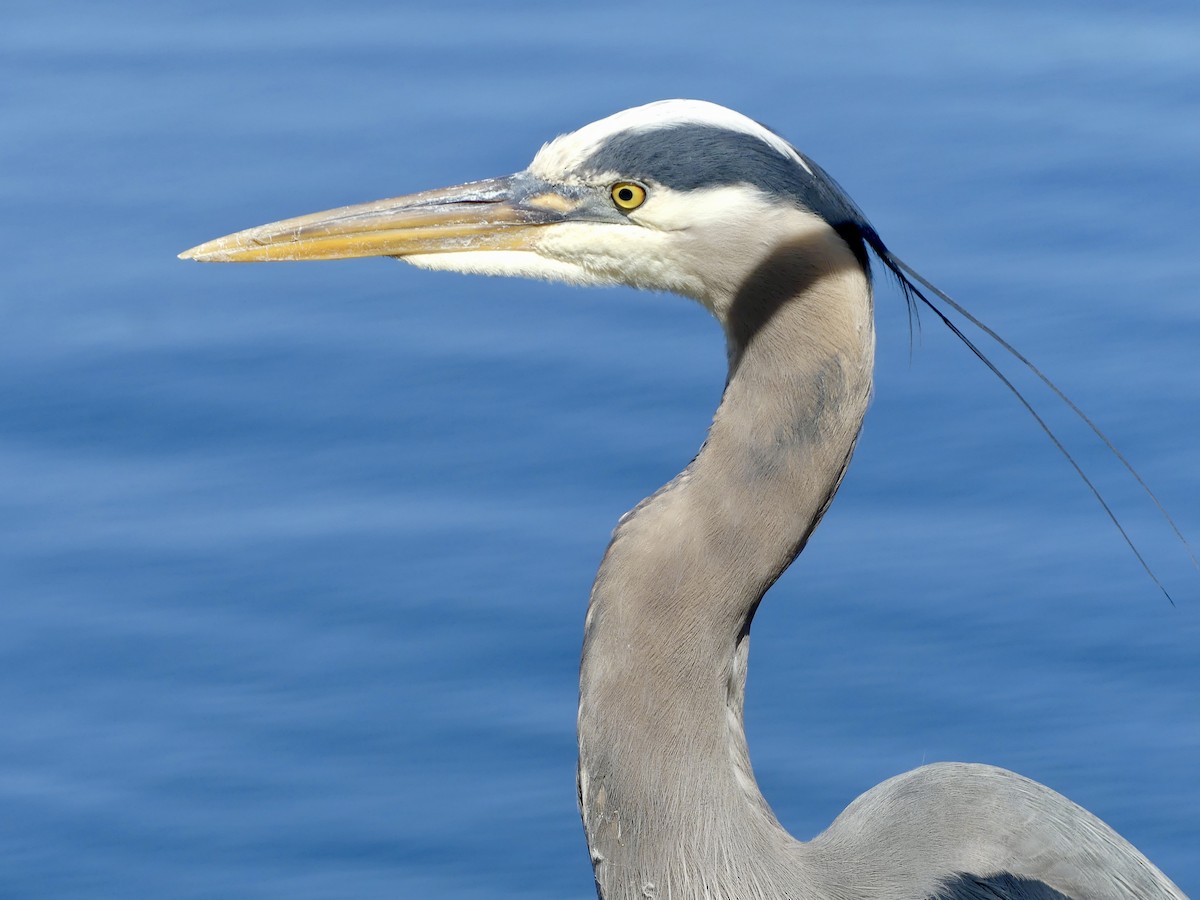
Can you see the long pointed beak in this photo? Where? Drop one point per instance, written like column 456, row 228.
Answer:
column 498, row 214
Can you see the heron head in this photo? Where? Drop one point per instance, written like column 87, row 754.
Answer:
column 681, row 195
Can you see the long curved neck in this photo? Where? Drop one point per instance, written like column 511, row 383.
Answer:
column 668, row 798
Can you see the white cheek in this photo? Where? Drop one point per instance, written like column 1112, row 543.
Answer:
column 516, row 263
column 622, row 254
column 720, row 235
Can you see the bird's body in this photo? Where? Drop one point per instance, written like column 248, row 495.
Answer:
column 689, row 197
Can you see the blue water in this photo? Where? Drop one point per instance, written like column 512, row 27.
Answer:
column 295, row 558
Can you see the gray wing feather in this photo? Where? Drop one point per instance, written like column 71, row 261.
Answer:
column 997, row 887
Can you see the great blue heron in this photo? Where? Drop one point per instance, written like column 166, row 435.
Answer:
column 689, row 197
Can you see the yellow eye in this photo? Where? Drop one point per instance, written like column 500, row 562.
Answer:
column 628, row 195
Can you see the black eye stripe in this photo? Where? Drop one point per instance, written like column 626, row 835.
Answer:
column 688, row 156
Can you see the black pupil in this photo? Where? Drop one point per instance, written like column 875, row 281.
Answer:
column 625, row 194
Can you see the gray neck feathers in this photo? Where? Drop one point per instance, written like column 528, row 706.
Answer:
column 669, row 801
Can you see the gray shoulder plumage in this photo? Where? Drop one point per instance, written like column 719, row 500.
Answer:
column 959, row 831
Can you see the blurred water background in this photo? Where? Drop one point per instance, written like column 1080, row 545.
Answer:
column 295, row 558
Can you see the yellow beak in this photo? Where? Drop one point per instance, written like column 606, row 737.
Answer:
column 498, row 214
